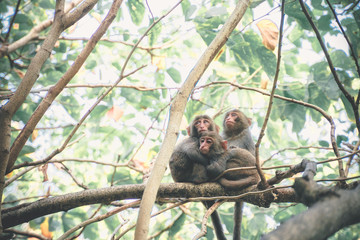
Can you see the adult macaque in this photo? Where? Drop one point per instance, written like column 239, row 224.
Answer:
column 236, row 130
column 187, row 164
column 237, row 133
column 215, row 149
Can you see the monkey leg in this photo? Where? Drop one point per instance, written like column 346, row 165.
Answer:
column 215, row 218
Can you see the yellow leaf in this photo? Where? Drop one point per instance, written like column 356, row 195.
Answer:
column 10, row 174
column 269, row 33
column 16, row 26
column 264, row 81
column 19, row 73
column 72, row 28
column 96, row 16
column 158, row 61
column 115, row 113
column 45, row 229
column 34, row 134
column 218, row 55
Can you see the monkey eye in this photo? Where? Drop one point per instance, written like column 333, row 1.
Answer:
column 233, row 114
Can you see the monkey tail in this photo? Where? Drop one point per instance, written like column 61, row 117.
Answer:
column 238, row 212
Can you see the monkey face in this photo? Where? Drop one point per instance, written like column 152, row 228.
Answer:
column 202, row 124
column 205, row 144
column 231, row 119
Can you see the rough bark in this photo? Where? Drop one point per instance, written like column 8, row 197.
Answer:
column 323, row 219
column 176, row 113
column 26, row 212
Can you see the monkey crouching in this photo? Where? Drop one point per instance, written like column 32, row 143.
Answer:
column 221, row 158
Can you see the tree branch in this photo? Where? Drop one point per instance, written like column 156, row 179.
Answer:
column 25, row 212
column 176, row 113
column 323, row 219
column 65, row 79
column 266, row 119
column 336, row 78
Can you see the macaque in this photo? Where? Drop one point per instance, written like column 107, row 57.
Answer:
column 187, row 164
column 236, row 131
column 222, row 158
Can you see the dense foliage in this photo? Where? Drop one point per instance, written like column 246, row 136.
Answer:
column 117, row 143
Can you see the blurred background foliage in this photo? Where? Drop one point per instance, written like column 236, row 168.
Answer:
column 118, row 142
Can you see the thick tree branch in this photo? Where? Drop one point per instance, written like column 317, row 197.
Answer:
column 327, row 216
column 26, row 212
column 176, row 113
column 34, row 33
column 60, row 85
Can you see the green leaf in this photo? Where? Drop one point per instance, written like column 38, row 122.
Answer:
column 325, row 80
column 323, row 143
column 324, row 23
column 348, row 108
column 90, row 64
column 215, row 11
column 188, row 9
column 137, row 11
column 112, row 222
column 154, row 33
column 26, row 150
column 92, row 231
column 24, row 21
column 99, row 112
column 47, row 4
column 293, row 9
column 4, row 65
column 267, row 60
column 174, row 74
column 340, row 59
column 177, row 226
column 71, row 105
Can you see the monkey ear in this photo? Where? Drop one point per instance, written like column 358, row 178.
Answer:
column 188, row 130
column 249, row 121
column 224, row 144
column 217, row 128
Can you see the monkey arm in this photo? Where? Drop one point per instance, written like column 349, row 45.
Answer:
column 216, row 167
column 196, row 156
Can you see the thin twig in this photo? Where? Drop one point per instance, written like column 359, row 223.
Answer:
column 262, row 131
column 205, row 218
column 337, row 80
column 98, row 218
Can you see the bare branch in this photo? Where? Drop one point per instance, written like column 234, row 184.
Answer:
column 209, row 191
column 205, row 218
column 336, row 78
column 176, row 113
column 98, row 218
column 34, row 33
column 266, row 119
column 65, row 79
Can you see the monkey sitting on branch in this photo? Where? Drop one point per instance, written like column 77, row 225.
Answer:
column 221, row 158
column 236, row 130
column 214, row 148
column 187, row 164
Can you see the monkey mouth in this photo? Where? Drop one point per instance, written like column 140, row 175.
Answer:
column 229, row 122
